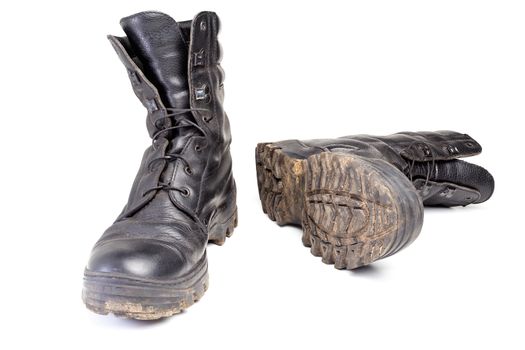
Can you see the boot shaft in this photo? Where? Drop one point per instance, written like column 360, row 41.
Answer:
column 429, row 159
column 174, row 69
column 186, row 75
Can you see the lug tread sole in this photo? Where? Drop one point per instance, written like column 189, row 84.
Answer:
column 352, row 211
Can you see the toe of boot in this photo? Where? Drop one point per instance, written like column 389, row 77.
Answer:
column 137, row 258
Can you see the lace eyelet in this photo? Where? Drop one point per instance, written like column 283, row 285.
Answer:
column 198, row 148
column 188, row 170
column 185, row 192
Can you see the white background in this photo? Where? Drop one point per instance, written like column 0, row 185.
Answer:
column 73, row 133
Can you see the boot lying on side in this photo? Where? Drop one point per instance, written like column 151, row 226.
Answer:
column 359, row 198
column 151, row 262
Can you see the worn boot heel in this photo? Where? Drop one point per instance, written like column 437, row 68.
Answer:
column 353, row 210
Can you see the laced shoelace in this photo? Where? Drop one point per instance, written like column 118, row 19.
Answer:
column 174, row 112
column 430, row 165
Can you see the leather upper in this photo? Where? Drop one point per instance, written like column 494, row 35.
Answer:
column 171, row 67
column 160, row 44
column 429, row 155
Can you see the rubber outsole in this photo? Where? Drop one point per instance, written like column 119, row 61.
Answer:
column 353, row 210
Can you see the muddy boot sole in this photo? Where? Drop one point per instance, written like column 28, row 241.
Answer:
column 140, row 299
column 353, row 210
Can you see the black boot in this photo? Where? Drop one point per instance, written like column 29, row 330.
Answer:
column 151, row 262
column 351, row 212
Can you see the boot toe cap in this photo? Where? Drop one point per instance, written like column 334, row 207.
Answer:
column 137, row 258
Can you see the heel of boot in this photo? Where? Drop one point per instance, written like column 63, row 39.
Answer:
column 279, row 179
column 357, row 210
column 220, row 231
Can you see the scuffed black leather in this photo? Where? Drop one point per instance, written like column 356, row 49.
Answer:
column 428, row 156
column 158, row 42
column 461, row 173
column 162, row 234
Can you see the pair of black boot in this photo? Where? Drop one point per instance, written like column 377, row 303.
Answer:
column 358, row 198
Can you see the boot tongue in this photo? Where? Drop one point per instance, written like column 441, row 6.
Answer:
column 162, row 47
column 158, row 42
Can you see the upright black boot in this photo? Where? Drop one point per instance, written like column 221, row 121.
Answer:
column 151, row 262
column 355, row 196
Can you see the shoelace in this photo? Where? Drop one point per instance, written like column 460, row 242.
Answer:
column 430, row 165
column 173, row 156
